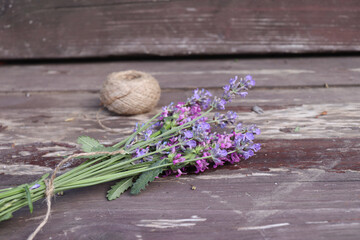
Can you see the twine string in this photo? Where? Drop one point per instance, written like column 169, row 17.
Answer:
column 50, row 186
column 101, row 124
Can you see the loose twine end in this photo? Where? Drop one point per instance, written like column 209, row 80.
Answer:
column 50, row 188
column 101, row 124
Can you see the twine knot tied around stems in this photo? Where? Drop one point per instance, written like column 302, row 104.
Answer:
column 50, row 188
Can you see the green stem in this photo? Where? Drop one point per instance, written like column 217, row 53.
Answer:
column 111, row 177
column 101, row 169
column 129, row 139
column 84, row 165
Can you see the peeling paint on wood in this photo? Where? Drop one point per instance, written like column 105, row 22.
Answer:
column 264, row 227
column 227, row 176
column 170, row 223
column 23, row 169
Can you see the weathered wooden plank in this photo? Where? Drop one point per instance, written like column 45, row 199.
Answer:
column 333, row 155
column 274, row 72
column 278, row 205
column 91, row 28
column 25, row 134
column 265, row 98
column 66, row 124
column 301, row 185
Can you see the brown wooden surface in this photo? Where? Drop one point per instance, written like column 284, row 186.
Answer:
column 185, row 74
column 303, row 184
column 65, row 29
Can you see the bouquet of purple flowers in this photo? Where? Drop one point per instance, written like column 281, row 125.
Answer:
column 179, row 139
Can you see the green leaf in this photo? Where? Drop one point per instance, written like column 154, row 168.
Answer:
column 104, row 149
column 99, row 149
column 119, row 188
column 88, row 144
column 6, row 217
column 147, row 177
column 28, row 197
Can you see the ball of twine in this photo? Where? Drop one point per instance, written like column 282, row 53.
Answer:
column 130, row 92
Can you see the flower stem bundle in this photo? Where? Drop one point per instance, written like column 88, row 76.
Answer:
column 179, row 139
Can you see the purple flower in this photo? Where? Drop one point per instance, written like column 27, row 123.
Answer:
column 200, row 97
column 160, row 146
column 233, row 80
column 250, row 80
column 239, row 127
column 147, row 135
column 243, row 140
column 256, row 147
column 243, row 94
column 218, row 153
column 235, row 158
column 195, row 111
column 249, row 136
column 179, row 171
column 223, row 119
column 167, row 110
column 191, row 144
column 201, row 131
column 226, row 88
column 197, row 139
column 227, row 96
column 188, row 134
column 218, row 103
column 237, row 87
column 196, row 95
column 201, row 165
column 219, row 120
column 35, row 186
column 248, row 154
column 239, row 143
column 231, row 117
column 178, row 159
column 224, row 140
column 204, row 126
column 254, row 129
column 245, row 137
column 140, row 152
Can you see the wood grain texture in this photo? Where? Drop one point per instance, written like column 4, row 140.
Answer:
column 89, row 28
column 303, row 184
column 39, row 135
column 332, row 155
column 265, row 98
column 227, row 204
column 341, row 121
column 185, row 74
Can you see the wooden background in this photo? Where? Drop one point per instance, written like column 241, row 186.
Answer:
column 303, row 184
column 101, row 28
